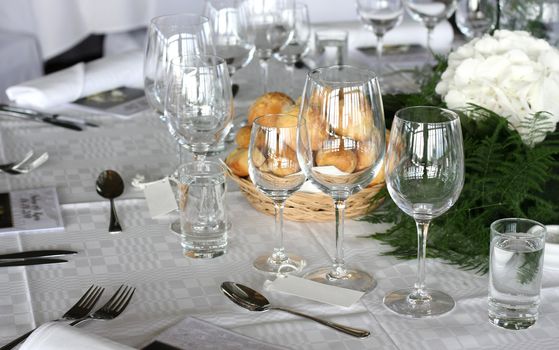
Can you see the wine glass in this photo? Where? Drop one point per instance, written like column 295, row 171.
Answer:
column 198, row 102
column 424, row 175
column 274, row 170
column 476, row 17
column 297, row 46
column 341, row 146
column 430, row 12
column 229, row 24
column 380, row 16
column 167, row 37
column 269, row 29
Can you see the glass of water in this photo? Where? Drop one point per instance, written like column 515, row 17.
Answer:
column 330, row 47
column 203, row 217
column 515, row 272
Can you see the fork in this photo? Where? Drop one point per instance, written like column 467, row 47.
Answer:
column 26, row 165
column 78, row 311
column 112, row 308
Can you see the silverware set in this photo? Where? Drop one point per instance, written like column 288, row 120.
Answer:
column 82, row 310
column 25, row 165
column 34, row 257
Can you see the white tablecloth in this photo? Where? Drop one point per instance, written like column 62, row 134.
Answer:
column 169, row 286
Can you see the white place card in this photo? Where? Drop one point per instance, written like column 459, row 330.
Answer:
column 311, row 290
column 30, row 210
column 160, row 197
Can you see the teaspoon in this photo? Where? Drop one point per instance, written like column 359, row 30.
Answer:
column 109, row 185
column 252, row 300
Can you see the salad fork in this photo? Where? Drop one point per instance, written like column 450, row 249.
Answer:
column 112, row 308
column 78, row 311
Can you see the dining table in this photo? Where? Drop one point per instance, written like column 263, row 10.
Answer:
column 148, row 255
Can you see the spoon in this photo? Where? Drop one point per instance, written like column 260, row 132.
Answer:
column 109, row 185
column 252, row 300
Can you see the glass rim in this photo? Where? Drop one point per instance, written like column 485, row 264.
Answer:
column 277, row 115
column 453, row 115
column 202, row 19
column 186, row 165
column 371, row 75
column 538, row 233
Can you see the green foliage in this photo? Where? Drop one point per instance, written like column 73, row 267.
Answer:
column 503, row 178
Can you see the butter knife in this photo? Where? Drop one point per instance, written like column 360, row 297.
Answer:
column 36, row 254
column 27, row 262
column 40, row 117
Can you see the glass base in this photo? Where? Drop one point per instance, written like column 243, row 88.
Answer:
column 400, row 302
column 352, row 279
column 293, row 263
column 511, row 323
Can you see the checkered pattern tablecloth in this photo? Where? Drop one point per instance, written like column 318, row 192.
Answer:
column 169, row 286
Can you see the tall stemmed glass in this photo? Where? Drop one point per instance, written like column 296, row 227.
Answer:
column 430, row 12
column 297, row 46
column 380, row 16
column 167, row 37
column 424, row 176
column 476, row 17
column 269, row 29
column 198, row 103
column 230, row 29
column 341, row 146
column 274, row 170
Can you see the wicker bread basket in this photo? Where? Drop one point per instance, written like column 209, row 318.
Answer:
column 305, row 206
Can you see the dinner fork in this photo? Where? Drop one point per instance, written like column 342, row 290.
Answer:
column 78, row 311
column 25, row 166
column 112, row 308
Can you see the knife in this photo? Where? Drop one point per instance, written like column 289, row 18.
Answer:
column 37, row 116
column 36, row 254
column 27, row 262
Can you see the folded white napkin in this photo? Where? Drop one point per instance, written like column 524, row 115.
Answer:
column 58, row 336
column 80, row 80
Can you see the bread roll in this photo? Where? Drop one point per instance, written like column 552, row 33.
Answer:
column 343, row 159
column 269, row 103
column 242, row 139
column 353, row 120
column 237, row 161
column 283, row 163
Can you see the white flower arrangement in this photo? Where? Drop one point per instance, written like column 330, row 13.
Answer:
column 511, row 73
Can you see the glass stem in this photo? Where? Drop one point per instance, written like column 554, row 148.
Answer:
column 290, row 71
column 279, row 256
column 338, row 269
column 264, row 73
column 420, row 295
column 429, row 37
column 380, row 48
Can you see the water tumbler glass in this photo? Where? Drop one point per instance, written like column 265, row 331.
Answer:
column 515, row 272
column 202, row 210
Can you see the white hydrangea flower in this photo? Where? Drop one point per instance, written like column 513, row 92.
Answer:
column 510, row 73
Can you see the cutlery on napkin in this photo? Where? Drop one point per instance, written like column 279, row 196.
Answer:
column 82, row 79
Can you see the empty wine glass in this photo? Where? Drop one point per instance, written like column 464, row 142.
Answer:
column 274, row 170
column 476, row 17
column 198, row 102
column 341, row 146
column 380, row 16
column 430, row 12
column 424, row 175
column 297, row 46
column 167, row 37
column 269, row 29
column 229, row 24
